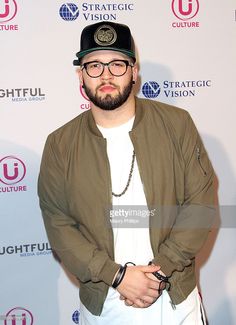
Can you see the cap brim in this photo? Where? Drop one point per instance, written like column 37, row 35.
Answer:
column 81, row 54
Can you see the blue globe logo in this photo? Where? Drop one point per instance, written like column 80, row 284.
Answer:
column 151, row 89
column 69, row 11
column 75, row 317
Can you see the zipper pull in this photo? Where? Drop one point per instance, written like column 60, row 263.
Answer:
column 172, row 305
column 198, row 153
column 199, row 161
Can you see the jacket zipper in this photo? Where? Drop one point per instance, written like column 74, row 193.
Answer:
column 199, row 162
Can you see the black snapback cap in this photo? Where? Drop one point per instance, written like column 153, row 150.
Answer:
column 105, row 36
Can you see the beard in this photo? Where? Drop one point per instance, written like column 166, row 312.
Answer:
column 109, row 103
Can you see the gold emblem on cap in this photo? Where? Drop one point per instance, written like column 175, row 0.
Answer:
column 105, row 35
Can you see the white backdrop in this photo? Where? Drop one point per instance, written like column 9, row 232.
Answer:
column 187, row 55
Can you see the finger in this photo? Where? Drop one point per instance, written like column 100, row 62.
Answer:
column 145, row 306
column 128, row 302
column 150, row 300
column 122, row 297
column 162, row 285
column 151, row 276
column 135, row 306
column 138, row 303
column 153, row 284
column 150, row 268
column 150, row 295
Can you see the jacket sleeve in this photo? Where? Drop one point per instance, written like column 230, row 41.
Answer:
column 197, row 211
column 81, row 258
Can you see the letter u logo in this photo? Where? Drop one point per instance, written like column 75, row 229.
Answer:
column 6, row 172
column 185, row 9
column 19, row 316
column 7, row 10
column 12, row 170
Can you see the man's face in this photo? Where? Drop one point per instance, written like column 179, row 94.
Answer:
column 108, row 92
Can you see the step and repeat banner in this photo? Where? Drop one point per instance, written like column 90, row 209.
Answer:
column 187, row 52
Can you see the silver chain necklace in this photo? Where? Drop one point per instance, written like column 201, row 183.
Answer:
column 129, row 178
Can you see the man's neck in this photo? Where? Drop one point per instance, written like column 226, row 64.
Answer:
column 116, row 117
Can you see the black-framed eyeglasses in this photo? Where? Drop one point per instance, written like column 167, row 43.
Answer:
column 116, row 67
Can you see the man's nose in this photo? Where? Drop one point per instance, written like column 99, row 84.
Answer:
column 106, row 73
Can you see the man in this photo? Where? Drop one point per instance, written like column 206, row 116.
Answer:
column 126, row 152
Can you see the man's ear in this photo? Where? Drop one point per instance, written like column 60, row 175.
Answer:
column 135, row 73
column 80, row 75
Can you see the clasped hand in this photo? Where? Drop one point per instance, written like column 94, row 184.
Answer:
column 140, row 288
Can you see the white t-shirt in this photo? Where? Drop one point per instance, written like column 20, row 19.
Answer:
column 131, row 242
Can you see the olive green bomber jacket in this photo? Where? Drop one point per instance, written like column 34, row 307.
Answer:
column 75, row 194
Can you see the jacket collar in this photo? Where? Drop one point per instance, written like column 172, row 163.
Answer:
column 139, row 114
